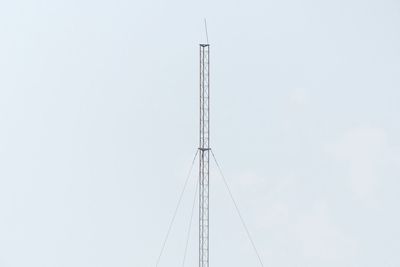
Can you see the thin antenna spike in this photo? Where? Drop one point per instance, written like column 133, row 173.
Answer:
column 205, row 25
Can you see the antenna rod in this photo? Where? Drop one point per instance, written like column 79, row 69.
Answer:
column 205, row 25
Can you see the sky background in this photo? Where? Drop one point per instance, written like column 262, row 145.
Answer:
column 99, row 125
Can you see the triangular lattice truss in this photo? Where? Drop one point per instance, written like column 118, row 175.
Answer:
column 204, row 156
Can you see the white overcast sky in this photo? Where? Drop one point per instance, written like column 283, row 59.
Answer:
column 99, row 124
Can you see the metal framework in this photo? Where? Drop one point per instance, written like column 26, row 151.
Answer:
column 204, row 155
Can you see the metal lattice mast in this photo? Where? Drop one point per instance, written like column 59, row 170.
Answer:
column 204, row 156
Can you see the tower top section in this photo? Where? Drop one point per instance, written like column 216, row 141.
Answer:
column 204, row 155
